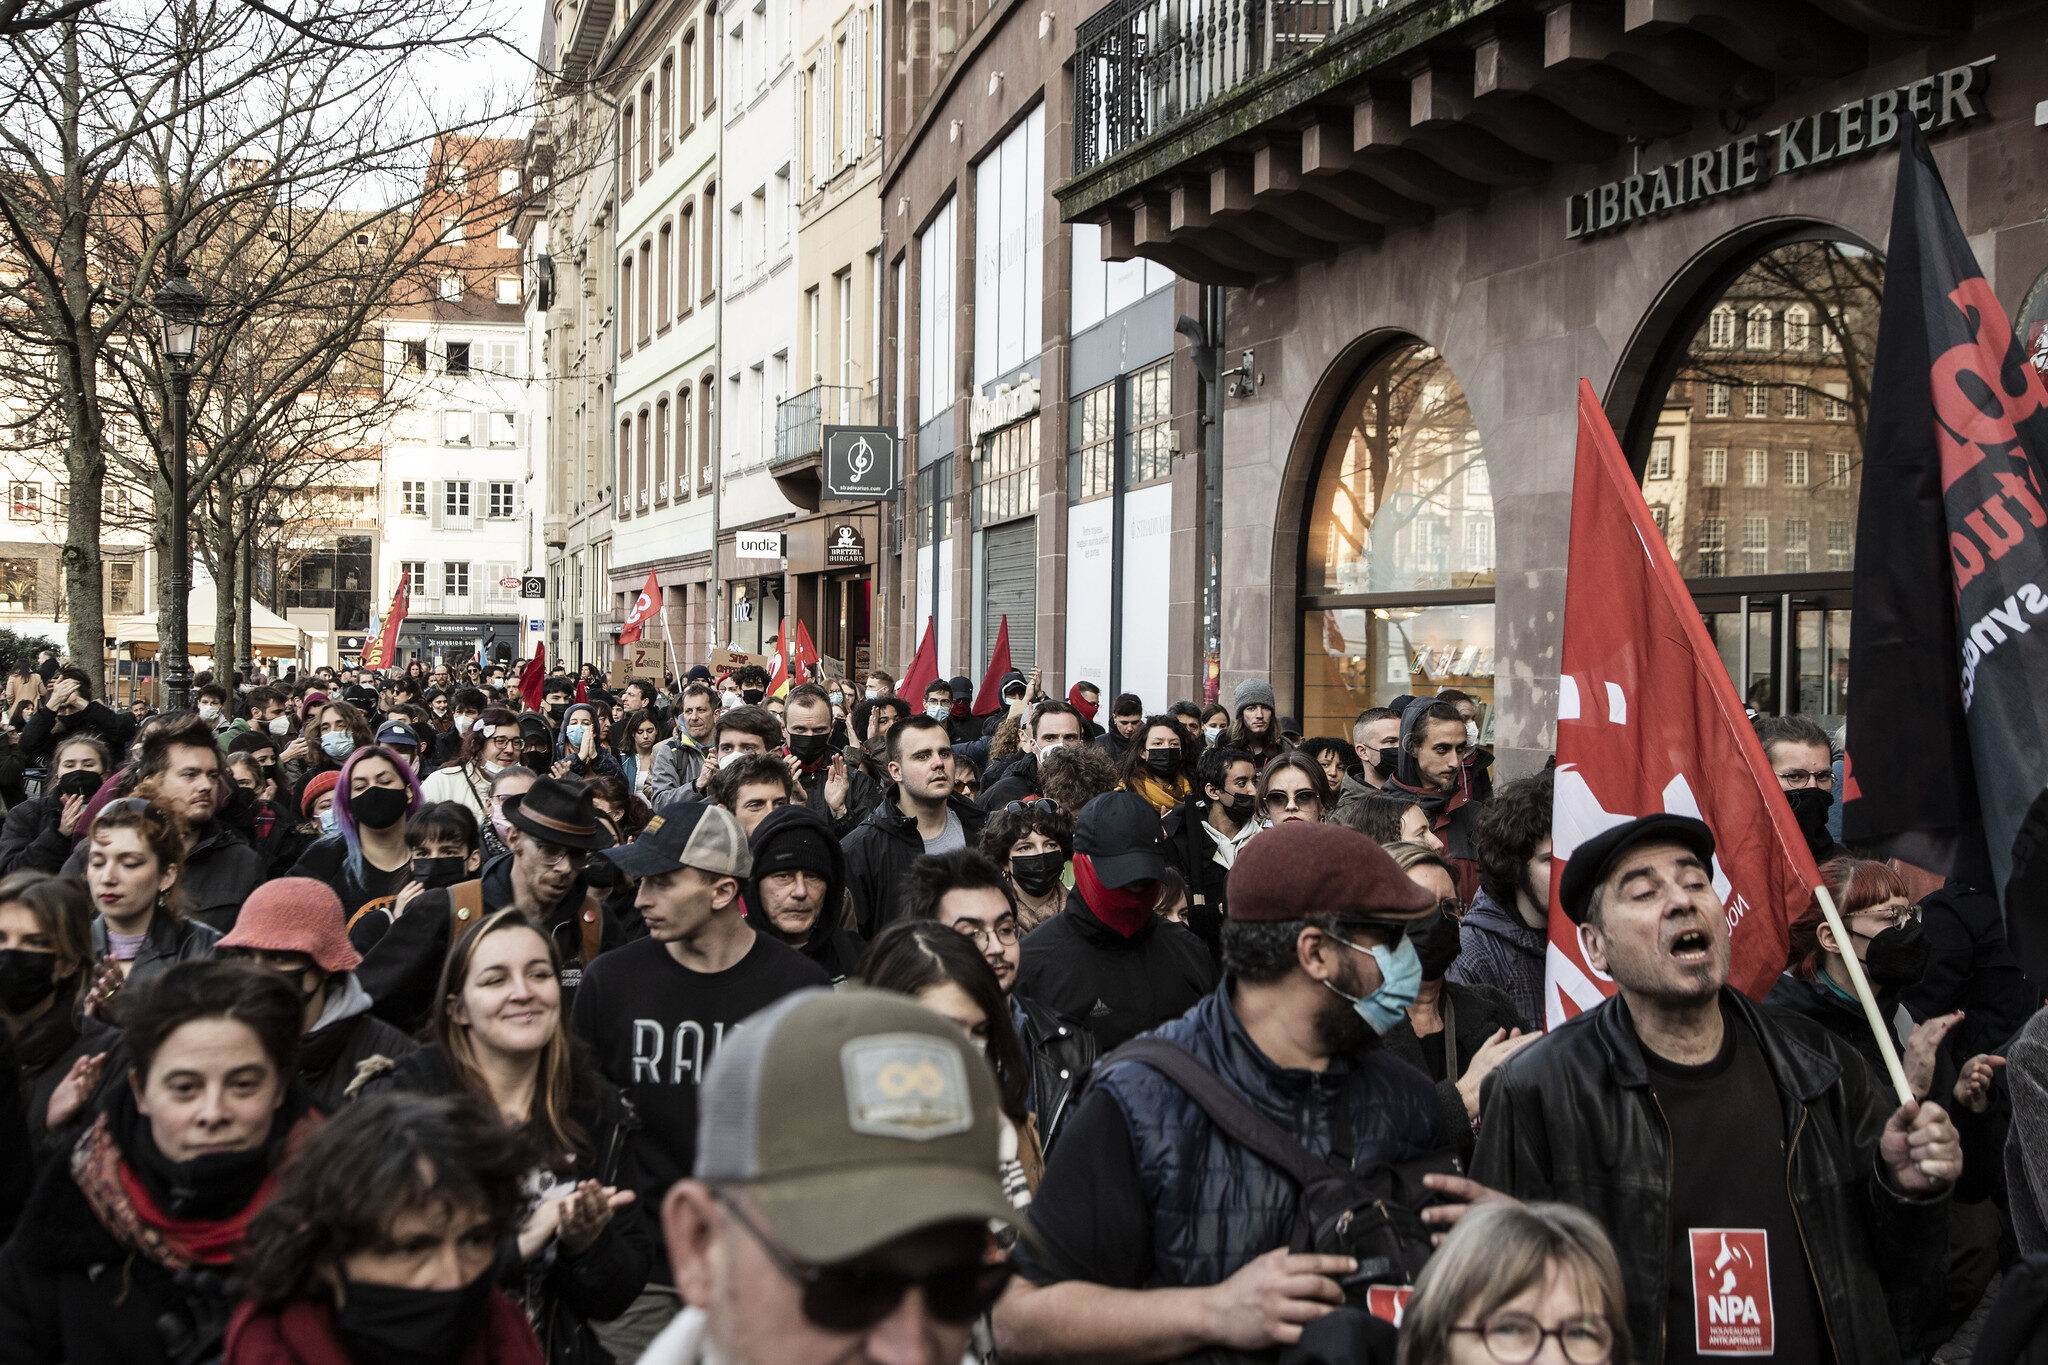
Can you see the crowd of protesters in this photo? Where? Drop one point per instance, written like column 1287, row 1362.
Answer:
column 450, row 1015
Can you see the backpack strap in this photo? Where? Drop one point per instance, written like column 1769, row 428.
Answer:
column 1226, row 1107
column 465, row 907
column 592, row 918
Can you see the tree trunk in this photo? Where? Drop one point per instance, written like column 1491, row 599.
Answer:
column 85, row 457
column 219, row 541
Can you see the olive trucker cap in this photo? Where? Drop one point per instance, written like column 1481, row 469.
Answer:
column 852, row 1117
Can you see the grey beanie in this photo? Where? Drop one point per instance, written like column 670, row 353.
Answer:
column 1254, row 692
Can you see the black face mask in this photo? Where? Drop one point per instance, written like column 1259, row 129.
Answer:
column 1897, row 958
column 1390, row 757
column 810, row 748
column 379, row 807
column 269, row 771
column 401, row 1326
column 1163, row 762
column 752, row 695
column 1038, row 873
column 536, row 759
column 80, row 783
column 1436, row 943
column 27, row 978
column 1241, row 808
column 436, row 873
column 1810, row 806
column 556, row 710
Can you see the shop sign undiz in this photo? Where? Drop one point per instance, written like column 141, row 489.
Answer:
column 1939, row 101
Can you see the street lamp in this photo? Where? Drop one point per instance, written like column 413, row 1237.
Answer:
column 245, row 575
column 182, row 308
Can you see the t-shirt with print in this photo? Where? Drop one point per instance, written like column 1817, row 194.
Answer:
column 1740, row 1286
column 951, row 839
column 654, row 1026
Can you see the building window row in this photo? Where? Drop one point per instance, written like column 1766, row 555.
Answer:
column 655, row 277
column 665, row 449
column 661, row 113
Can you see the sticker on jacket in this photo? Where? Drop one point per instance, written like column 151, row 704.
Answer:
column 1731, row 1292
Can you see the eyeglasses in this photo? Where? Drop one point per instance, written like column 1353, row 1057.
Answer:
column 1005, row 932
column 1277, row 799
column 851, row 1297
column 554, row 855
column 1909, row 914
column 1516, row 1338
column 1792, row 781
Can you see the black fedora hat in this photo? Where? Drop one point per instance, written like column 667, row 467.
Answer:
column 558, row 812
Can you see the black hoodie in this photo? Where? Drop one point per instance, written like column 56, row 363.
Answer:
column 1454, row 816
column 832, row 944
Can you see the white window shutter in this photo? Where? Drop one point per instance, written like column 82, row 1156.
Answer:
column 480, row 426
column 436, row 502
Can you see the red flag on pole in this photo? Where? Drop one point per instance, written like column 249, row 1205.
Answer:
column 778, row 677
column 989, row 696
column 924, row 666
column 1648, row 721
column 644, row 606
column 805, row 657
column 533, row 678
column 385, row 646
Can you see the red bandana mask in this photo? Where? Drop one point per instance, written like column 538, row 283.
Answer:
column 1086, row 708
column 1124, row 909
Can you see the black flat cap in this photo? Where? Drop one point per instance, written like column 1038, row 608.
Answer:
column 1591, row 861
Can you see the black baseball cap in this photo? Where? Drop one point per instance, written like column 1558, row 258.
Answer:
column 1591, row 861
column 1120, row 833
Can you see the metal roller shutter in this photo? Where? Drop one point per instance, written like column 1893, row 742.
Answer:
column 1010, row 575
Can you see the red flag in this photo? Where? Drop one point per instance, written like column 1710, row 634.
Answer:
column 1647, row 721
column 534, row 677
column 778, row 677
column 806, row 653
column 644, row 606
column 924, row 666
column 989, row 696
column 385, row 646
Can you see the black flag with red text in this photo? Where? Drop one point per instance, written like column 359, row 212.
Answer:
column 1948, row 662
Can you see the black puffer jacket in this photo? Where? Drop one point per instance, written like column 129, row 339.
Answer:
column 564, row 1292
column 1571, row 1117
column 1970, row 967
column 883, row 848
column 1115, row 987
column 1062, row 1057
column 832, row 944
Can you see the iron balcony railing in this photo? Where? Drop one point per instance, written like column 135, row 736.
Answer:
column 1142, row 67
column 800, row 420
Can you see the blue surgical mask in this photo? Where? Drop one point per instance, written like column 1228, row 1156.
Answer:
column 338, row 744
column 574, row 734
column 1400, row 984
column 327, row 821
column 939, row 710
column 1211, row 733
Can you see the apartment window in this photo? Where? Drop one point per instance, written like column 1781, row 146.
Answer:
column 709, row 231
column 1757, row 334
column 1835, row 407
column 668, row 95
column 1841, row 546
column 504, row 498
column 455, row 498
column 412, row 497
column 120, row 503
column 736, row 237
column 504, row 428
column 1717, row 400
column 451, row 287
column 1714, row 465
column 658, row 481
column 1661, row 515
column 1798, row 327
column 666, row 253
column 759, row 209
column 1756, row 467
column 1795, row 469
column 1009, row 227
column 24, row 502
column 646, row 289
column 415, row 355
column 815, row 349
column 686, row 254
column 1006, row 474
column 1713, row 546
column 1660, row 459
column 1830, row 340
column 934, row 515
column 414, row 572
column 640, row 459
column 842, row 286
column 1756, row 400
column 685, row 438
column 625, row 500
column 1838, row 468
column 501, row 581
column 501, row 359
column 508, row 181
column 684, row 68
column 1795, row 400
column 122, row 597
column 626, row 300
column 457, row 173
column 508, row 289
column 18, row 585
column 627, row 128
column 646, row 128
column 1721, row 327
column 707, row 394
column 1798, row 555
column 457, row 427
column 1756, row 541
column 451, row 230
column 458, row 357
column 506, row 240
column 455, row 579
column 937, row 252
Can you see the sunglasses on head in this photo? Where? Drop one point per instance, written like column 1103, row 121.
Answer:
column 852, row 1297
column 1033, row 803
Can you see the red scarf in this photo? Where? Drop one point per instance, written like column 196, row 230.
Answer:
column 1086, row 708
column 201, row 1241
column 1125, row 909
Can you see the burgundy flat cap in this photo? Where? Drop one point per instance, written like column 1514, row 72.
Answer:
column 1295, row 870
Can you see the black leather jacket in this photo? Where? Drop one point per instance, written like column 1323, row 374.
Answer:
column 1572, row 1117
column 1062, row 1056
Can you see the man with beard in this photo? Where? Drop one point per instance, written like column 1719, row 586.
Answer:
column 679, row 759
column 1376, row 735
column 843, row 795
column 1764, row 1196
column 1158, row 1236
column 1798, row 752
column 1431, row 768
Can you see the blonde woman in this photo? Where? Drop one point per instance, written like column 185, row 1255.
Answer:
column 1519, row 1283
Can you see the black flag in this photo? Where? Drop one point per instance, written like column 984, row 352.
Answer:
column 1948, row 663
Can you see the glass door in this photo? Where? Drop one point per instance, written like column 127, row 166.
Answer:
column 1788, row 652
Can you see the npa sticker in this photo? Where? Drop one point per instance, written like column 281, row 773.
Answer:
column 1388, row 1302
column 1731, row 1292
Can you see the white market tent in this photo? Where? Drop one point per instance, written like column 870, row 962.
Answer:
column 270, row 634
